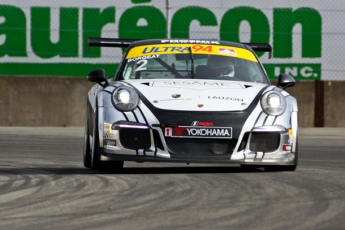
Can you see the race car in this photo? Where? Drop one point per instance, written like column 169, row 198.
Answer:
column 189, row 101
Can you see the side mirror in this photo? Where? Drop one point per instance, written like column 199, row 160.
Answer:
column 285, row 80
column 98, row 76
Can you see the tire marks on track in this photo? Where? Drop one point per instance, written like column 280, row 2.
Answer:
column 43, row 185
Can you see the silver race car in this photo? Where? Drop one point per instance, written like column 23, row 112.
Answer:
column 191, row 101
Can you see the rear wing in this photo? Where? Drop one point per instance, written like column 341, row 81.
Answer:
column 109, row 42
column 265, row 47
column 124, row 43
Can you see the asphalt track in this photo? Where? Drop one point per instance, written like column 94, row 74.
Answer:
column 43, row 185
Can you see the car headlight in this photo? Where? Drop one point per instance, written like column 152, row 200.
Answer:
column 125, row 98
column 273, row 103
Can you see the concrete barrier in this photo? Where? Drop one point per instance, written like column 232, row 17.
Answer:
column 43, row 101
column 48, row 101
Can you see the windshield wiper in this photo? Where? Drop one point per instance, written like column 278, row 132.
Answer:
column 192, row 59
column 165, row 65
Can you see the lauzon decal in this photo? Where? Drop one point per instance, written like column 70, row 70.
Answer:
column 142, row 58
column 199, row 132
column 225, row 98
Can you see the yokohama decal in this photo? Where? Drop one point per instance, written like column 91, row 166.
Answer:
column 199, row 132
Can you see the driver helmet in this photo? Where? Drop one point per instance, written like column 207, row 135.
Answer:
column 221, row 65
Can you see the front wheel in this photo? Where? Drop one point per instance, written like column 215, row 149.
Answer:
column 96, row 162
column 95, row 153
column 86, row 148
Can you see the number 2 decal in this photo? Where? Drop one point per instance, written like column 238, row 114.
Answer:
column 142, row 66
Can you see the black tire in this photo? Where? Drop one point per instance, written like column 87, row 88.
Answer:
column 95, row 153
column 96, row 163
column 86, row 148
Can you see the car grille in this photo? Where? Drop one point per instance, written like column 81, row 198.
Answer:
column 200, row 146
column 264, row 142
column 135, row 138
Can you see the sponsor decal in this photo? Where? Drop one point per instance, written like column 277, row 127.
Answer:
column 176, row 95
column 225, row 98
column 202, row 123
column 142, row 58
column 106, row 130
column 168, row 132
column 164, row 49
column 190, row 41
column 177, row 99
column 155, row 49
column 290, row 136
column 198, row 132
column 227, row 51
column 207, row 49
column 194, row 83
column 176, row 49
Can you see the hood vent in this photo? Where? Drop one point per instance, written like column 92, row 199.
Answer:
column 248, row 86
column 146, row 83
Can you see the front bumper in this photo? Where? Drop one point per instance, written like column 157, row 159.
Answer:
column 265, row 145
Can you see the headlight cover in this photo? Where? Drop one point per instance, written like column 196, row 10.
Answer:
column 125, row 98
column 273, row 103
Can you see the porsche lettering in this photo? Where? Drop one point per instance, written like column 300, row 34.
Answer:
column 190, row 41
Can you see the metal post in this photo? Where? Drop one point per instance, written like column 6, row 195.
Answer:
column 319, row 120
column 167, row 18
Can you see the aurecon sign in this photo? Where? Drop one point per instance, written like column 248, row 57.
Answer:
column 51, row 38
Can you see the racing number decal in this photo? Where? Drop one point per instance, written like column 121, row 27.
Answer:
column 142, row 66
column 197, row 48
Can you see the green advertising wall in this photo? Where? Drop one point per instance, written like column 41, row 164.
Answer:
column 50, row 39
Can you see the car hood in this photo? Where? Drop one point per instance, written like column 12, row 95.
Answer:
column 198, row 95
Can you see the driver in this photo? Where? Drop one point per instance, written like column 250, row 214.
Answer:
column 221, row 66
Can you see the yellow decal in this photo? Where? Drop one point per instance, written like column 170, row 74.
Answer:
column 107, row 128
column 156, row 49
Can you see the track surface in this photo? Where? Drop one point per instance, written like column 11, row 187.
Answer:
column 43, row 185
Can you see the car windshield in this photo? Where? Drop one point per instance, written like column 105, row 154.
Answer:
column 192, row 61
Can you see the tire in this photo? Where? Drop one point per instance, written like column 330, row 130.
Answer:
column 96, row 163
column 86, row 148
column 95, row 153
